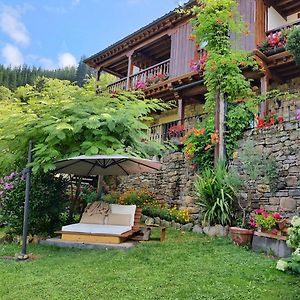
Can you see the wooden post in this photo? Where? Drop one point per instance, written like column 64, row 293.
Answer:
column 220, row 112
column 264, row 82
column 180, row 110
column 98, row 75
column 129, row 70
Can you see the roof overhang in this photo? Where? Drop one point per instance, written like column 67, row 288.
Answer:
column 284, row 7
column 159, row 25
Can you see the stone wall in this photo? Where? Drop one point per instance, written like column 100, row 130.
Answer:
column 282, row 142
column 173, row 183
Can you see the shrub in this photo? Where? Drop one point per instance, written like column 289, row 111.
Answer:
column 216, row 190
column 293, row 240
column 48, row 203
column 151, row 207
column 292, row 44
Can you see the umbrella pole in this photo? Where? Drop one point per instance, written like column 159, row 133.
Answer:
column 26, row 171
column 99, row 187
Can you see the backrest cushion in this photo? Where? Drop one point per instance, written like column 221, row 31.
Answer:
column 118, row 219
column 124, row 209
column 92, row 219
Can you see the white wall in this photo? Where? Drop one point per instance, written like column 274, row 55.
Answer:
column 275, row 19
column 292, row 18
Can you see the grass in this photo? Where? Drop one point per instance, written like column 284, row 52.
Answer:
column 185, row 266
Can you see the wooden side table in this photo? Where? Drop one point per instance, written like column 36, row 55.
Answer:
column 162, row 231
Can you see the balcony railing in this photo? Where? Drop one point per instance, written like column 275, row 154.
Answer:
column 156, row 73
column 161, row 132
column 285, row 26
column 286, row 106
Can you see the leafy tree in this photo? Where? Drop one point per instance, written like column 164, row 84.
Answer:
column 65, row 120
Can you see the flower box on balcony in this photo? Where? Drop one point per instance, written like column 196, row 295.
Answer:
column 274, row 51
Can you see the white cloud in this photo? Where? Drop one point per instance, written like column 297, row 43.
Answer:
column 11, row 24
column 66, row 60
column 12, row 55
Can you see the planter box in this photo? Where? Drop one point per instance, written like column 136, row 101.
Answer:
column 274, row 51
column 270, row 244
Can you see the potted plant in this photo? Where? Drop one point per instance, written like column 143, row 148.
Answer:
column 292, row 44
column 243, row 234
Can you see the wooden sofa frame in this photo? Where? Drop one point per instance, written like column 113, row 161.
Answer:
column 103, row 238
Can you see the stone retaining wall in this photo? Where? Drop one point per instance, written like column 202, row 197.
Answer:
column 174, row 182
column 282, row 142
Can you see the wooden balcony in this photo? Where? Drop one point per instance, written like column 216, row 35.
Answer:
column 278, row 62
column 162, row 132
column 143, row 79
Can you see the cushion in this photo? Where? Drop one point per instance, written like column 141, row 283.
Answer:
column 119, row 219
column 95, row 228
column 92, row 219
column 124, row 209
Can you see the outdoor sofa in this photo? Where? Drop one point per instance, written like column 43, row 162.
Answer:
column 104, row 223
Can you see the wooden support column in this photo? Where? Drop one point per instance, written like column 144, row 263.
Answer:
column 98, row 75
column 264, row 82
column 180, row 103
column 220, row 118
column 260, row 21
column 130, row 69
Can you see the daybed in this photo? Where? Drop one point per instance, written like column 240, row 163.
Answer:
column 104, row 223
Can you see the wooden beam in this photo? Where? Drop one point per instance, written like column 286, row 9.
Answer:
column 113, row 72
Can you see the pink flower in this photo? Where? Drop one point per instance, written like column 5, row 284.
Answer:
column 274, row 231
column 298, row 115
column 276, row 216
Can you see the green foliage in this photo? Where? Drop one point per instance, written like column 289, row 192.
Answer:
column 212, row 23
column 199, row 149
column 290, row 264
column 292, row 43
column 65, row 120
column 216, row 190
column 151, row 207
column 293, row 240
column 48, row 202
column 258, row 165
column 238, row 120
column 223, row 75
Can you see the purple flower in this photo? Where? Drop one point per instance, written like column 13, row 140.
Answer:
column 298, row 115
column 8, row 186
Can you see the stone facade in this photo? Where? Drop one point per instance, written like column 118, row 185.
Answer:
column 173, row 184
column 281, row 142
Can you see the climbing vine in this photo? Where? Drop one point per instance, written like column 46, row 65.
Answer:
column 218, row 25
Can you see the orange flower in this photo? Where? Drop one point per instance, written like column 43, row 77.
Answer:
column 207, row 147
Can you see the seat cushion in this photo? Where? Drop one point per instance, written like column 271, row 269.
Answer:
column 96, row 229
column 119, row 219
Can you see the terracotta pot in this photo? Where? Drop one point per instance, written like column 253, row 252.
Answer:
column 241, row 236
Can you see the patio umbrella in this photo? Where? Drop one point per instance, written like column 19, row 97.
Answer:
column 105, row 165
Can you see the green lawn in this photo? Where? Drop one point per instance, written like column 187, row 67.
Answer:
column 185, row 266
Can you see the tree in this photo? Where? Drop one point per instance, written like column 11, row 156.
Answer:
column 65, row 120
column 83, row 72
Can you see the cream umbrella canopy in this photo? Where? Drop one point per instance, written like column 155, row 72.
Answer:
column 105, row 165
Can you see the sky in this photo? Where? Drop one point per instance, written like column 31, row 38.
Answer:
column 57, row 33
